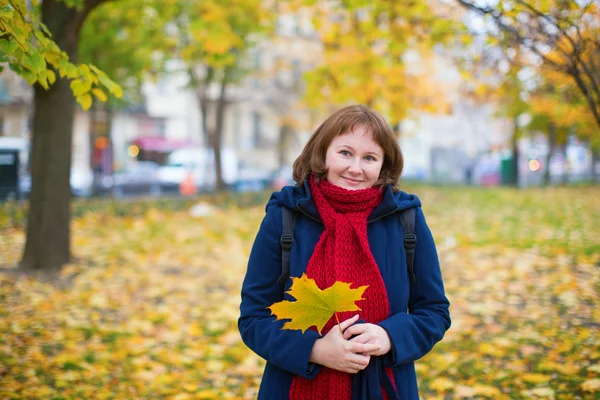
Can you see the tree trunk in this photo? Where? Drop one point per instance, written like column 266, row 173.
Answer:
column 48, row 236
column 282, row 144
column 595, row 161
column 201, row 86
column 218, row 132
column 551, row 147
column 564, row 179
column 514, row 141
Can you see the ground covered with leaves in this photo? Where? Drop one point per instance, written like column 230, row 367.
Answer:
column 149, row 308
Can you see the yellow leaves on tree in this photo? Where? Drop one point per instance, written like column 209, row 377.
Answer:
column 313, row 306
column 29, row 49
column 364, row 56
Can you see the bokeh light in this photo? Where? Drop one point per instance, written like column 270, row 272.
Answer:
column 133, row 150
column 534, row 165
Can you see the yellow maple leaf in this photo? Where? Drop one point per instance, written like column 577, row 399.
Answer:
column 314, row 306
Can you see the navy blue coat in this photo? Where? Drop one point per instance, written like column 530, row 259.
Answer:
column 419, row 311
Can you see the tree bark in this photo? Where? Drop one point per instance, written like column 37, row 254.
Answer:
column 282, row 144
column 564, row 179
column 551, row 147
column 48, row 237
column 201, row 90
column 218, row 132
column 595, row 161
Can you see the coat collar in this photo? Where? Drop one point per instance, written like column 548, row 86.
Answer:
column 387, row 206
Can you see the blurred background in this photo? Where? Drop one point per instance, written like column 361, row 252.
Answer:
column 140, row 140
column 248, row 82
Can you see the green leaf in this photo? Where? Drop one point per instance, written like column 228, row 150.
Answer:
column 8, row 47
column 38, row 61
column 45, row 29
column 16, row 68
column 21, row 37
column 28, row 63
column 43, row 80
column 6, row 12
column 117, row 91
column 29, row 77
column 66, row 69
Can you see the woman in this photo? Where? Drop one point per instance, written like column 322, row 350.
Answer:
column 347, row 230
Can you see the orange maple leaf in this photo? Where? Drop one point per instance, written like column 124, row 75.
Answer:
column 314, row 306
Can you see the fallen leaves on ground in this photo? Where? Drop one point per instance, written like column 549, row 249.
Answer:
column 149, row 310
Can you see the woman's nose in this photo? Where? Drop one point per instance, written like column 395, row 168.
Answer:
column 354, row 166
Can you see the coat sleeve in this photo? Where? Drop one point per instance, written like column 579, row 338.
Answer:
column 415, row 333
column 287, row 349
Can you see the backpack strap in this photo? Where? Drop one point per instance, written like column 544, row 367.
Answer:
column 407, row 219
column 286, row 242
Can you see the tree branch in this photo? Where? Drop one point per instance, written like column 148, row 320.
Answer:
column 575, row 65
column 577, row 50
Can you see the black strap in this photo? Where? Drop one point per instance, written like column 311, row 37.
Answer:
column 286, row 242
column 289, row 217
column 407, row 219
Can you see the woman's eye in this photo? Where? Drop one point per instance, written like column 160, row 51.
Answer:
column 345, row 152
column 370, row 158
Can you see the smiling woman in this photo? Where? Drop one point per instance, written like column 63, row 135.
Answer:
column 354, row 159
column 362, row 129
column 347, row 229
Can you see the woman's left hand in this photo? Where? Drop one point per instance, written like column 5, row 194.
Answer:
column 372, row 334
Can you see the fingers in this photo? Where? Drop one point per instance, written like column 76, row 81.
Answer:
column 361, row 339
column 357, row 363
column 363, row 347
column 347, row 323
column 360, row 360
column 355, row 330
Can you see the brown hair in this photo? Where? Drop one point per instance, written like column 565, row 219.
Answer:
column 312, row 158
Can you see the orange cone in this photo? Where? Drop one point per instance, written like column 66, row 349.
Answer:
column 187, row 187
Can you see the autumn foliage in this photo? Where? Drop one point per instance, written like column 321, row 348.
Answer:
column 149, row 308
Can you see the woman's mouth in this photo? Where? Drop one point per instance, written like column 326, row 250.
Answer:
column 354, row 181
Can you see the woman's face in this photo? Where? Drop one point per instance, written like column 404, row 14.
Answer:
column 354, row 160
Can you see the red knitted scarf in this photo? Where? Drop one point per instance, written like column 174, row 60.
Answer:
column 343, row 254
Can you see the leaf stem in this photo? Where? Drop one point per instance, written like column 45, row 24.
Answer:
column 338, row 322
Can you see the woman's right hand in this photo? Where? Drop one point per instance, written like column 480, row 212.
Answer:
column 335, row 352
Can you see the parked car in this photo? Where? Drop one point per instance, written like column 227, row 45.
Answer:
column 140, row 177
column 199, row 162
column 253, row 178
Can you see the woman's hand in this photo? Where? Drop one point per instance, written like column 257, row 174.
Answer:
column 370, row 334
column 336, row 352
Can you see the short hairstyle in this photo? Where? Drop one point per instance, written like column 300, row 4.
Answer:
column 312, row 158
